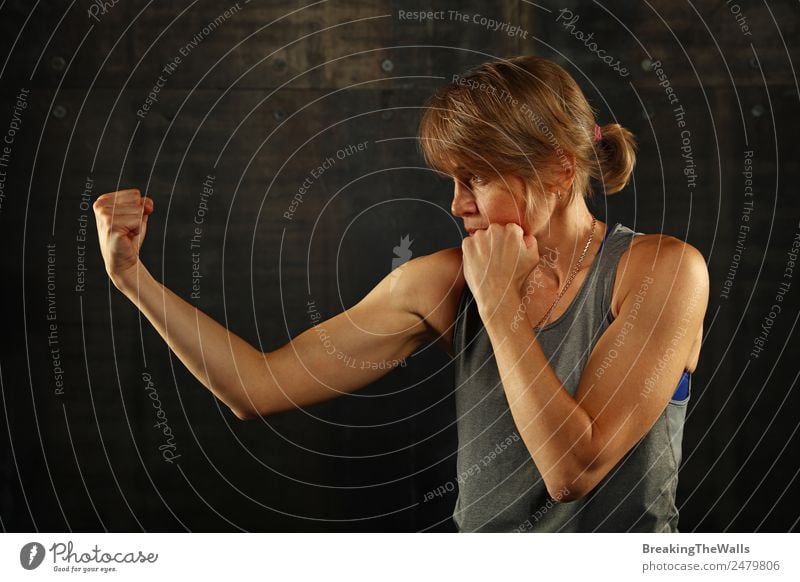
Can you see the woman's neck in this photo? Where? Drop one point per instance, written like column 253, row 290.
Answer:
column 562, row 238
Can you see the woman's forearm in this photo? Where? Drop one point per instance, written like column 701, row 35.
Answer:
column 223, row 362
column 555, row 428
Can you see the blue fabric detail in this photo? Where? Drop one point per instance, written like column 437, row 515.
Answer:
column 682, row 393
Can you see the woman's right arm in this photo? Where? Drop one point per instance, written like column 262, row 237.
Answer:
column 334, row 357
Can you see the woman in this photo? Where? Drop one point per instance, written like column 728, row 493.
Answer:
column 573, row 341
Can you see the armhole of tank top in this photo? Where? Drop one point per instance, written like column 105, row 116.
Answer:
column 613, row 279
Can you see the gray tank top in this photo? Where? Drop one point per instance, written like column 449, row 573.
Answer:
column 499, row 487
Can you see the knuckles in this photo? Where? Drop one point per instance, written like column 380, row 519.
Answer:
column 499, row 229
column 494, row 227
column 108, row 197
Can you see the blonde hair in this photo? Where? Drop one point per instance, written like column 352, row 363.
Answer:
column 524, row 116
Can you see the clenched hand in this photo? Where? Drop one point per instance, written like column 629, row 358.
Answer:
column 121, row 226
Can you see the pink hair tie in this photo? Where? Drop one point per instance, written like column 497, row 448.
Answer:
column 597, row 133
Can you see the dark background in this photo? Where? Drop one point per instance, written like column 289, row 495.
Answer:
column 259, row 103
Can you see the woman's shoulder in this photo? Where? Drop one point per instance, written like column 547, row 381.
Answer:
column 662, row 248
column 662, row 259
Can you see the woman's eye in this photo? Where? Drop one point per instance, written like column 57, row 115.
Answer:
column 471, row 180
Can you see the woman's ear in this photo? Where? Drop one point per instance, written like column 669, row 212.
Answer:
column 565, row 173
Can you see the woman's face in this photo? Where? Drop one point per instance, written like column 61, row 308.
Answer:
column 480, row 201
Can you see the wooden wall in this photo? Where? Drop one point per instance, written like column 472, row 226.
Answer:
column 259, row 101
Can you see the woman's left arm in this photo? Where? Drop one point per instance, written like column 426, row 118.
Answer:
column 576, row 441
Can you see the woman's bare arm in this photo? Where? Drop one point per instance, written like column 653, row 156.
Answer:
column 337, row 356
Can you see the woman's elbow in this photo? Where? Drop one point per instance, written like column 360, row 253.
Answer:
column 251, row 410
column 248, row 411
column 242, row 414
column 570, row 490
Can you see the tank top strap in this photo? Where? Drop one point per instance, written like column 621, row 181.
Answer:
column 602, row 242
column 617, row 240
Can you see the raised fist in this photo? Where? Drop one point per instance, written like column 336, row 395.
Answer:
column 121, row 226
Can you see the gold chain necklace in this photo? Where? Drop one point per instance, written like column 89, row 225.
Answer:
column 572, row 275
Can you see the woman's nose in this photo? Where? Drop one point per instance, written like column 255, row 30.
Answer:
column 463, row 200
